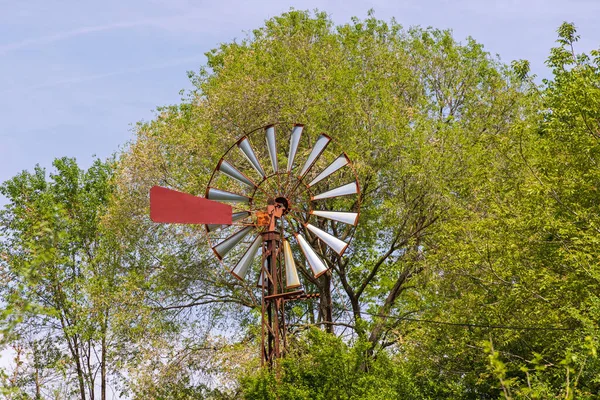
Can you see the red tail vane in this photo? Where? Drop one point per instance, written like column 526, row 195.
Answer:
column 171, row 206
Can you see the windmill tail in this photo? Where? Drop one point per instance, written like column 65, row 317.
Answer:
column 171, row 206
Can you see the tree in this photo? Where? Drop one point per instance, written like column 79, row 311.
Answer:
column 66, row 288
column 322, row 366
column 473, row 273
column 521, row 255
column 413, row 108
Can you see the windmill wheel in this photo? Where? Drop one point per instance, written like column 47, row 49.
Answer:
column 284, row 179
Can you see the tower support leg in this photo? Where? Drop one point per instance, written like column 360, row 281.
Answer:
column 273, row 317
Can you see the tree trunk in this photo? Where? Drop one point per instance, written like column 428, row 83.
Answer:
column 325, row 302
column 38, row 395
column 103, row 361
column 80, row 373
column 384, row 310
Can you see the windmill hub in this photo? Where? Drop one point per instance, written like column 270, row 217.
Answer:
column 284, row 204
column 276, row 209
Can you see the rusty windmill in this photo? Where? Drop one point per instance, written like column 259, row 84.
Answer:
column 259, row 199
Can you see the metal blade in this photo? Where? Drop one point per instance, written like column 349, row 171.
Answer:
column 259, row 282
column 241, row 269
column 316, row 264
column 171, row 206
column 244, row 146
column 294, row 141
column 235, row 217
column 226, row 245
column 222, row 195
column 272, row 147
column 350, row 188
column 339, row 162
column 339, row 246
column 349, row 218
column 232, row 172
column 291, row 274
column 322, row 142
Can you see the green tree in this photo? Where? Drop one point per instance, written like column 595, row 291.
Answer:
column 521, row 249
column 66, row 289
column 408, row 106
column 321, row 366
column 474, row 270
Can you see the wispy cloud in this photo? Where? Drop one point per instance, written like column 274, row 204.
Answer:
column 88, row 78
column 55, row 37
column 174, row 16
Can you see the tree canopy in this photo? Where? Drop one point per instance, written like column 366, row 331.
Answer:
column 473, row 272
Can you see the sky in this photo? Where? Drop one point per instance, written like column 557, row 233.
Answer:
column 75, row 76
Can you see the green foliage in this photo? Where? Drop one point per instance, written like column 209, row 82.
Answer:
column 475, row 270
column 67, row 280
column 410, row 107
column 479, row 190
column 534, row 384
column 521, row 248
column 322, row 366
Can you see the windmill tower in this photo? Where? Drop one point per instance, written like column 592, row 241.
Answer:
column 301, row 212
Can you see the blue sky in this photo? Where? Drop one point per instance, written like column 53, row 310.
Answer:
column 75, row 76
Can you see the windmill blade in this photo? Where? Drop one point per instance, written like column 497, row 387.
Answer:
column 262, row 276
column 339, row 162
column 294, row 141
column 237, row 216
column 241, row 269
column 349, row 218
column 222, row 195
column 171, row 206
column 226, row 245
column 316, row 264
column 272, row 147
column 291, row 273
column 259, row 282
column 337, row 245
column 232, row 172
column 322, row 142
column 350, row 188
column 246, row 149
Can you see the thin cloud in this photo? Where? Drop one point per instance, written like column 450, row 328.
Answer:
column 76, row 32
column 88, row 78
column 194, row 20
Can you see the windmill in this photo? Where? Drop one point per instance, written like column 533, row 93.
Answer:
column 273, row 192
